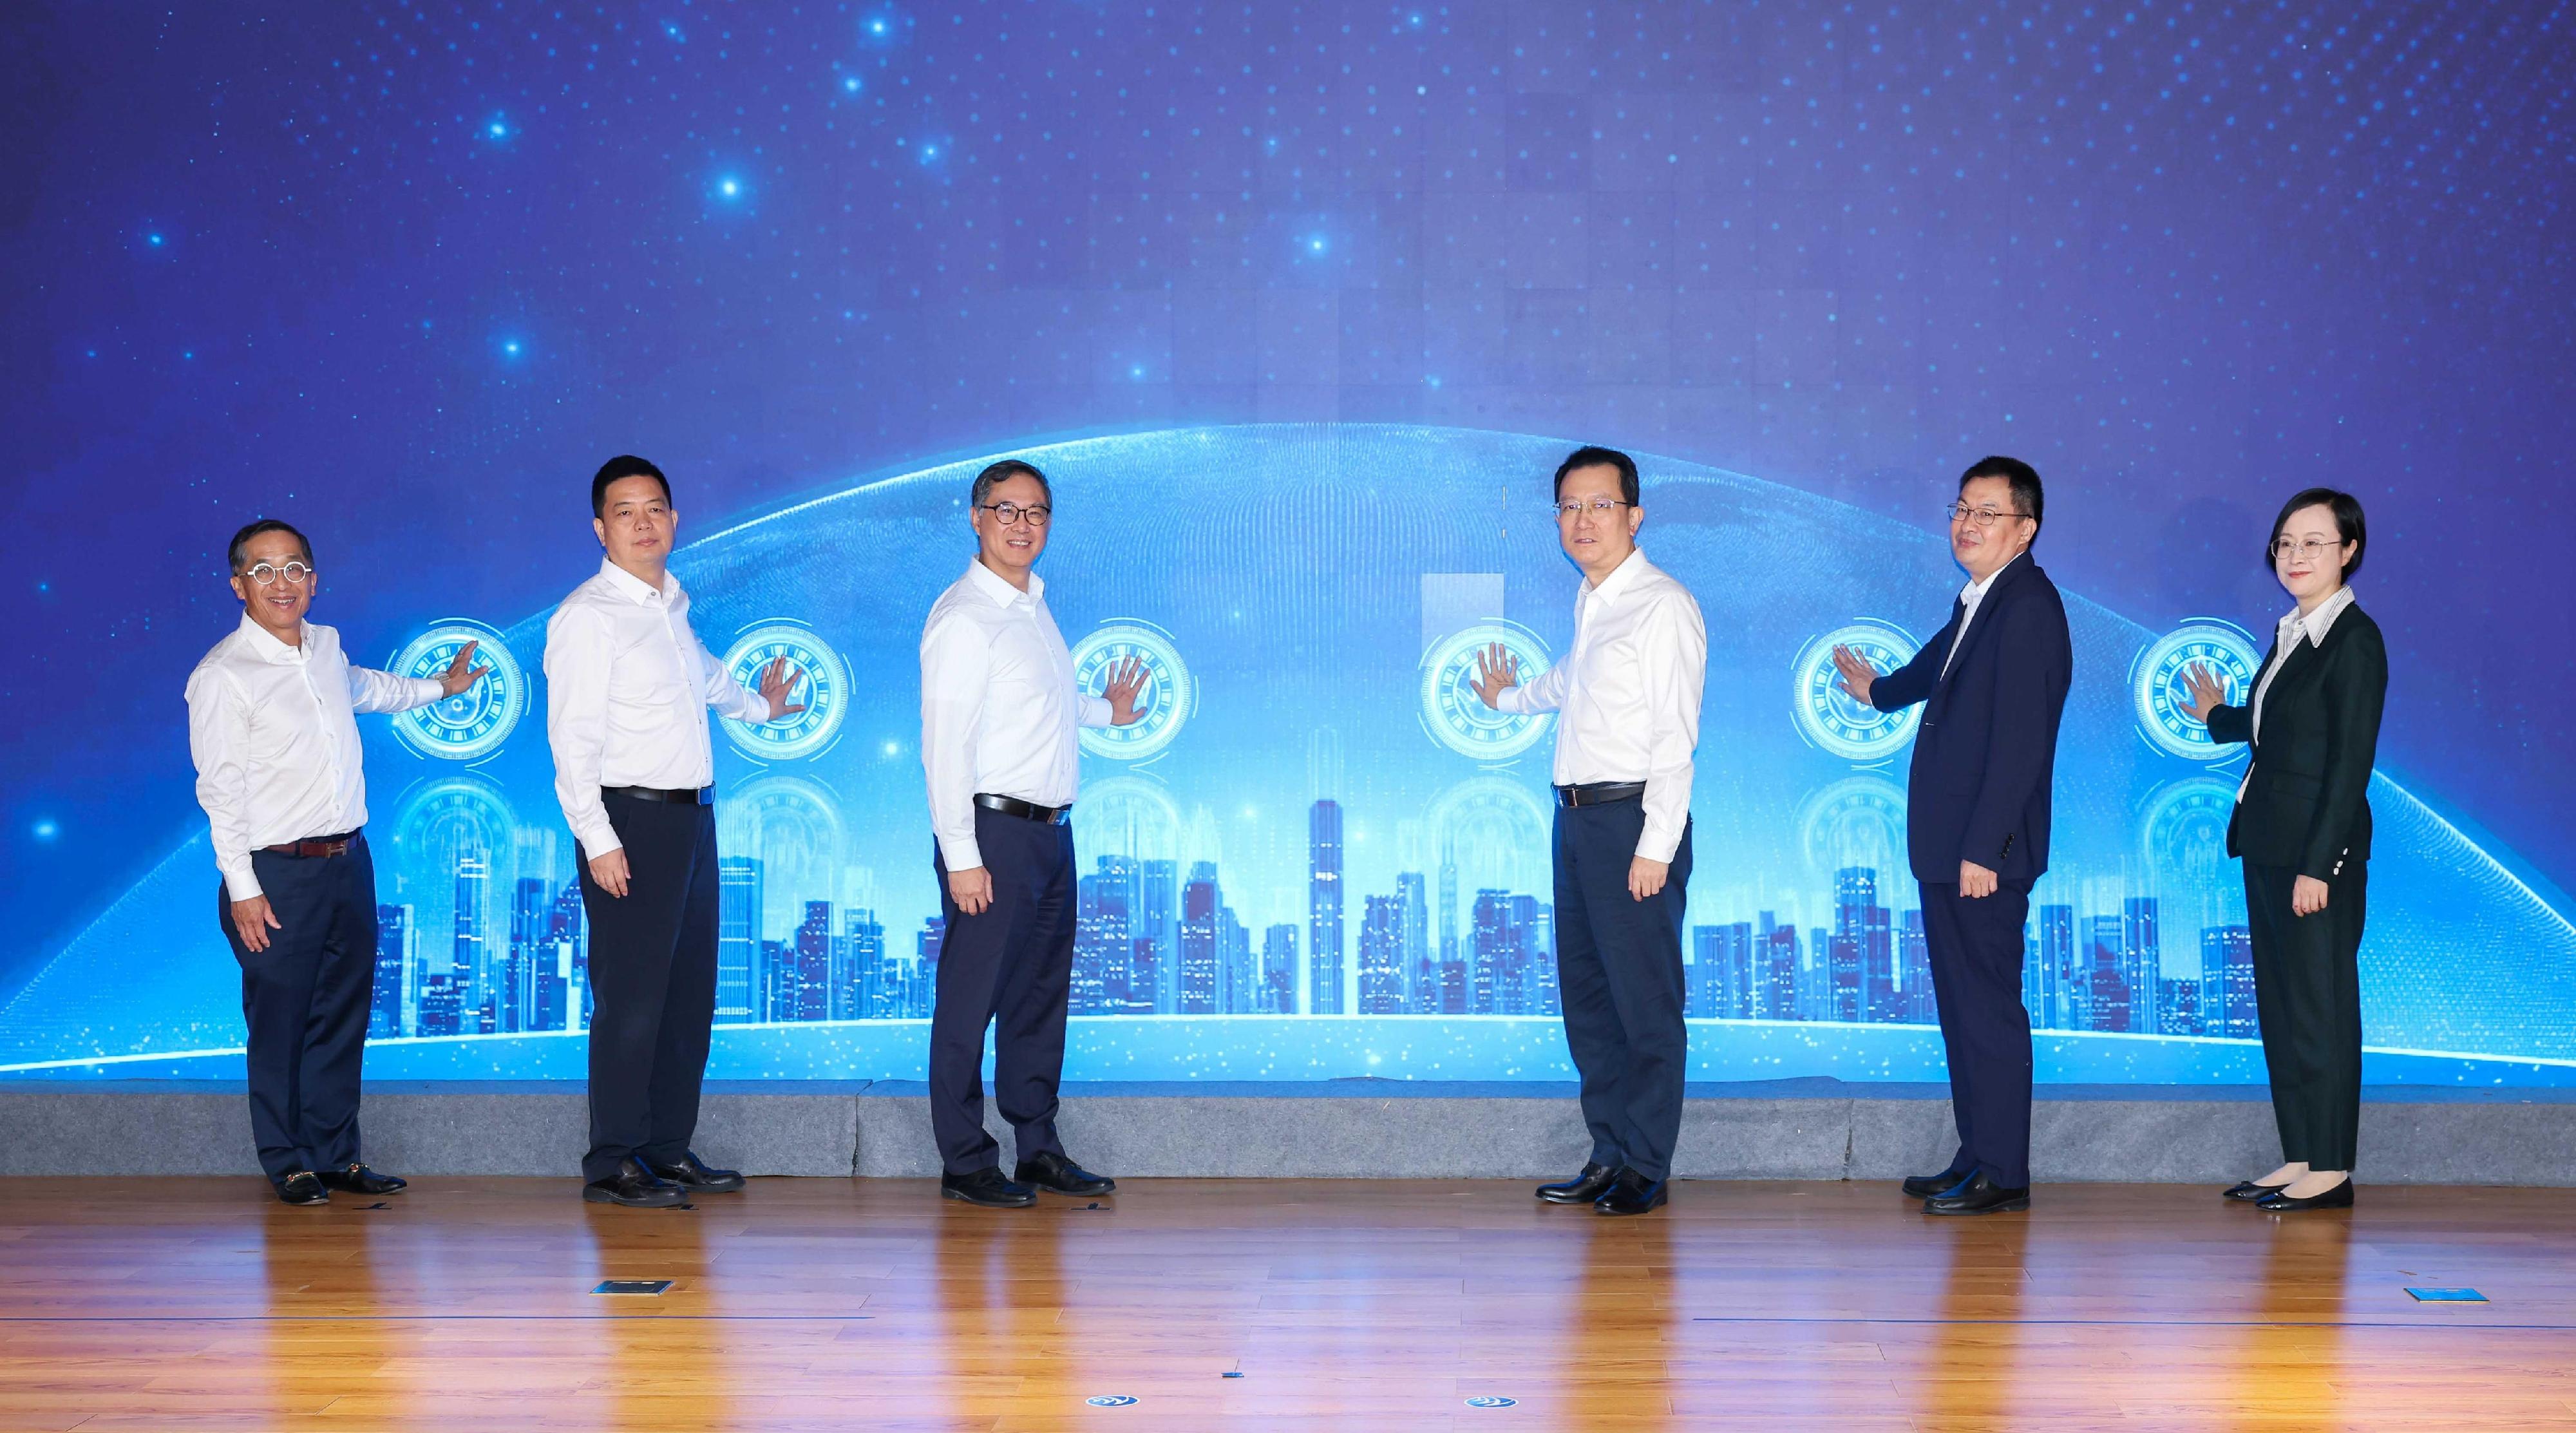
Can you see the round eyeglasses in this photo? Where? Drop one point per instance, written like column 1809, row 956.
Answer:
column 295, row 573
column 1008, row 514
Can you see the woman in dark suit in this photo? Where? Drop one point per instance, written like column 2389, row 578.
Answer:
column 2302, row 827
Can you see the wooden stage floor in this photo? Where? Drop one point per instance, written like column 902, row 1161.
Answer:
column 464, row 1304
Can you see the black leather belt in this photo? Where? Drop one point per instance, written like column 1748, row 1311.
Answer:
column 684, row 796
column 313, row 846
column 1025, row 810
column 1600, row 793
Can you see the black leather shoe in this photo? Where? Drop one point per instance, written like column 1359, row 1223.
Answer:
column 1630, row 1193
column 635, row 1187
column 988, row 1188
column 1056, row 1174
column 358, row 1179
column 692, row 1174
column 1924, row 1186
column 2248, row 1191
column 2339, row 1197
column 1979, row 1195
column 302, row 1186
column 1583, row 1188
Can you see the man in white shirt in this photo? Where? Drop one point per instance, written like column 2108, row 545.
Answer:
column 628, row 685
column 272, row 727
column 1628, row 697
column 999, row 713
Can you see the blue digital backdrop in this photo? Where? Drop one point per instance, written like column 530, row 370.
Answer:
column 1299, row 306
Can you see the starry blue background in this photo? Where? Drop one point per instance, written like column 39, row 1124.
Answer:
column 407, row 273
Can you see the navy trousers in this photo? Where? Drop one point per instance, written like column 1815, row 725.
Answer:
column 1975, row 948
column 305, row 1000
column 1619, row 970
column 652, row 983
column 1010, row 968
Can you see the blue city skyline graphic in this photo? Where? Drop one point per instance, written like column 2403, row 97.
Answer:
column 1314, row 859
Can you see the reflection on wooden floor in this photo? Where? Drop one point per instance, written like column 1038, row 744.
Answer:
column 464, row 1304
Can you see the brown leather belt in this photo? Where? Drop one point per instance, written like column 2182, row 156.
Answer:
column 1600, row 793
column 1025, row 810
column 314, row 846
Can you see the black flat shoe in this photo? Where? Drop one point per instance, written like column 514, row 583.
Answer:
column 302, row 1186
column 635, row 1187
column 1924, row 1186
column 1058, row 1175
column 358, row 1179
column 986, row 1187
column 1979, row 1195
column 693, row 1175
column 2248, row 1191
column 1591, row 1184
column 2339, row 1197
column 1630, row 1193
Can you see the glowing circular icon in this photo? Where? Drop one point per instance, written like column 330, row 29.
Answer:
column 1828, row 717
column 1456, row 717
column 2155, row 682
column 1493, row 1400
column 1168, row 697
column 825, row 690
column 472, row 724
column 1112, row 1400
column 2182, row 832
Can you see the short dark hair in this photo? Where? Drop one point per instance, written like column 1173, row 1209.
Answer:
column 2029, row 499
column 1002, row 472
column 624, row 465
column 241, row 539
column 1591, row 457
column 2347, row 515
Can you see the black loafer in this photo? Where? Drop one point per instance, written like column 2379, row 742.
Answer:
column 302, row 1186
column 986, row 1187
column 1056, row 1174
column 1630, row 1193
column 2339, row 1197
column 635, row 1187
column 2248, row 1191
column 1583, row 1188
column 358, row 1179
column 692, row 1174
column 1924, row 1186
column 1978, row 1195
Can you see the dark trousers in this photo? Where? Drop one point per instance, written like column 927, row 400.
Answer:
column 1619, row 969
column 1975, row 947
column 1010, row 968
column 652, row 983
column 2307, row 996
column 305, row 1001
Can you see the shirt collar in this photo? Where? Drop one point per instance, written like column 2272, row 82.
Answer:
column 270, row 649
column 635, row 589
column 2316, row 624
column 992, row 584
column 1976, row 591
column 1622, row 577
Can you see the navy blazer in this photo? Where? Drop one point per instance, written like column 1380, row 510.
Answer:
column 1987, row 750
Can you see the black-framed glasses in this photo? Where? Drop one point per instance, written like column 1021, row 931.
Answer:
column 1982, row 517
column 265, row 574
column 1577, row 507
column 1009, row 514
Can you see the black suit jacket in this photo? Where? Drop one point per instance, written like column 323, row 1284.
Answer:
column 1987, row 750
column 2306, row 806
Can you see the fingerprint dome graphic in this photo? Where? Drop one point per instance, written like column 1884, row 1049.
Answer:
column 1305, row 641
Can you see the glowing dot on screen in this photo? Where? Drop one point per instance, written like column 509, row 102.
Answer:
column 851, row 84
column 187, row 353
column 153, row 239
column 1431, row 378
column 46, row 830
column 876, row 27
column 498, row 129
column 510, row 346
column 1136, row 370
column 930, row 151
column 1315, row 245
column 729, row 188
column 893, row 748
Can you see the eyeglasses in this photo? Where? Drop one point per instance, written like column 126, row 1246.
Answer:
column 1008, row 514
column 1577, row 507
column 295, row 573
column 2313, row 549
column 1982, row 517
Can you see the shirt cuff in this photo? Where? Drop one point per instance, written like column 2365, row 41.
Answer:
column 598, row 843
column 242, row 885
column 426, row 690
column 1657, row 845
column 1508, row 701
column 960, row 853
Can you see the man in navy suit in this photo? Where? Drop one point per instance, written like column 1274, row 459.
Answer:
column 1993, row 684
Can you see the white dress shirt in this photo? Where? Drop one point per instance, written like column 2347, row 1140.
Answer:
column 1628, row 694
column 999, row 711
column 2285, row 639
column 1971, row 597
column 274, row 733
column 628, row 685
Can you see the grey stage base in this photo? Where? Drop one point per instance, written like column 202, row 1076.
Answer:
column 1786, row 1129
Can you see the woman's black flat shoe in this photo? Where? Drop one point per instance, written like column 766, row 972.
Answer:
column 2339, row 1197
column 2249, row 1191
